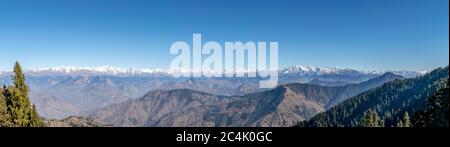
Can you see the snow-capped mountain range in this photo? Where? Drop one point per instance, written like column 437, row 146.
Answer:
column 108, row 70
column 64, row 91
column 291, row 70
column 315, row 70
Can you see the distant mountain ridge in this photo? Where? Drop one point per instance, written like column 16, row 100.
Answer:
column 328, row 83
column 117, row 71
column 281, row 106
column 63, row 92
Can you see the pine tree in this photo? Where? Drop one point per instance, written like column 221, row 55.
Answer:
column 35, row 121
column 19, row 79
column 18, row 102
column 406, row 122
column 400, row 123
column 370, row 119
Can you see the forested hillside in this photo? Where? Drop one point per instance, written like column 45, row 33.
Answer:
column 388, row 105
column 435, row 112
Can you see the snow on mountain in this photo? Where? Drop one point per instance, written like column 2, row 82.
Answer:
column 410, row 74
column 102, row 70
column 314, row 70
column 317, row 71
column 297, row 70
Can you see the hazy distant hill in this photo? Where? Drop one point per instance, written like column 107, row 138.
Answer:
column 328, row 83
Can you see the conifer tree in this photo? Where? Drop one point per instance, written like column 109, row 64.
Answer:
column 406, row 122
column 18, row 102
column 19, row 80
column 400, row 123
column 35, row 121
column 371, row 119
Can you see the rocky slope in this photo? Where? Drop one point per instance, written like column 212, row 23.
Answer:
column 74, row 121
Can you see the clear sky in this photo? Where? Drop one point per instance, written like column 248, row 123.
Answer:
column 360, row 34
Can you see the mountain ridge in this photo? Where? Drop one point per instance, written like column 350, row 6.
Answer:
column 390, row 101
column 85, row 93
column 118, row 71
column 282, row 106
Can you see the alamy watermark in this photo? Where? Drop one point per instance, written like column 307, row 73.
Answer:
column 232, row 64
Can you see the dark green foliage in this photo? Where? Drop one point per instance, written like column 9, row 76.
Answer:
column 435, row 113
column 19, row 79
column 18, row 106
column 19, row 112
column 35, row 120
column 5, row 118
column 390, row 101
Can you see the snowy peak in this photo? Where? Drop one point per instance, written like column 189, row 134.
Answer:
column 297, row 70
column 410, row 74
column 314, row 70
column 317, row 71
column 102, row 70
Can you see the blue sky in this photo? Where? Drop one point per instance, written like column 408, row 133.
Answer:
column 360, row 34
